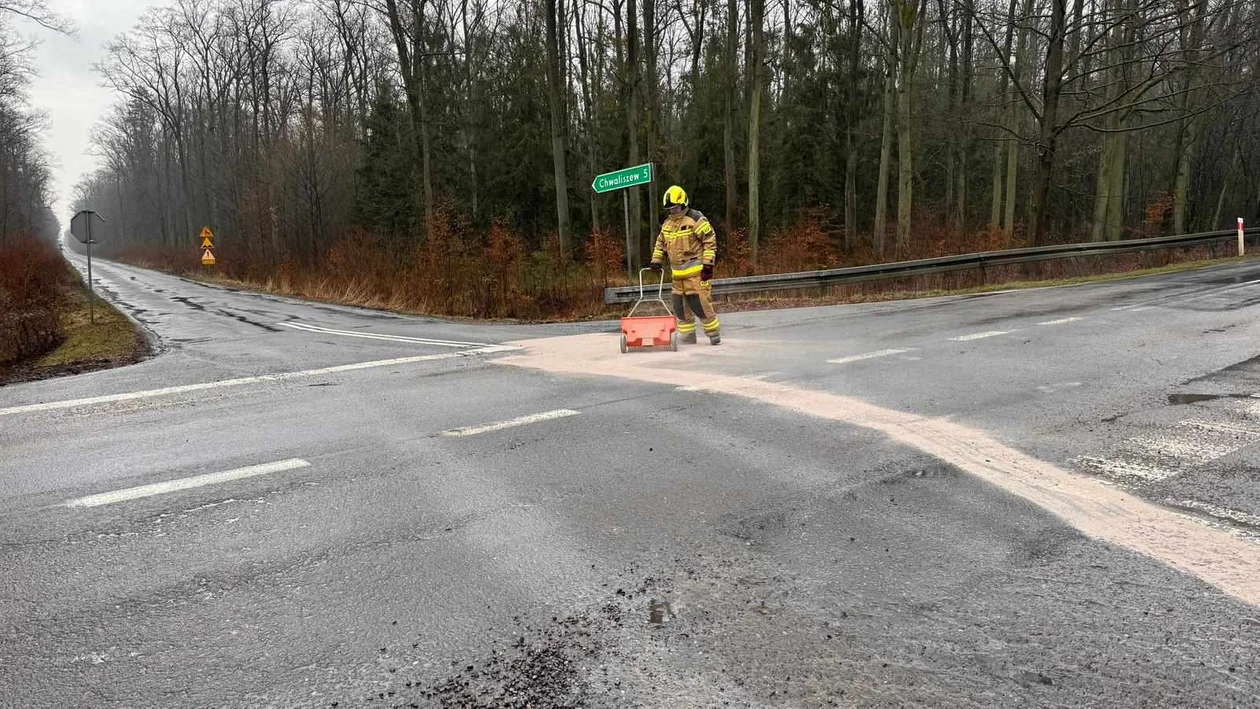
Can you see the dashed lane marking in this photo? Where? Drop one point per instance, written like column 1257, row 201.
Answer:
column 980, row 335
column 1060, row 321
column 869, row 355
column 512, row 423
column 242, row 381
column 135, row 493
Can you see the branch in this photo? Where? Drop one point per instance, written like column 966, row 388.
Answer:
column 36, row 11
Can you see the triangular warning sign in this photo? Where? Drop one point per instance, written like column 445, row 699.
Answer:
column 207, row 259
column 206, row 233
column 205, row 243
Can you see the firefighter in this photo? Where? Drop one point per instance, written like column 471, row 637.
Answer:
column 691, row 244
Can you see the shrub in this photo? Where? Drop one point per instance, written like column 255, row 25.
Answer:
column 33, row 283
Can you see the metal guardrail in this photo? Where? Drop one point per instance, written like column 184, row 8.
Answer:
column 615, row 295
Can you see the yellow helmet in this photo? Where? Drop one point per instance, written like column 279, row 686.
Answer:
column 675, row 196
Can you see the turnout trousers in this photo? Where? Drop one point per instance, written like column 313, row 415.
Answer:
column 693, row 298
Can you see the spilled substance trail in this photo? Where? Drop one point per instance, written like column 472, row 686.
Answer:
column 1093, row 507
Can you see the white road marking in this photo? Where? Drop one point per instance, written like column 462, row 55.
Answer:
column 135, row 493
column 242, row 381
column 1060, row 321
column 1218, row 511
column 980, row 335
column 374, row 336
column 1192, row 452
column 1124, row 470
column 1052, row 388
column 1228, row 428
column 522, row 421
column 869, row 355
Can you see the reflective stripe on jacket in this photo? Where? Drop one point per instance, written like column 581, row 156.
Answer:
column 689, row 241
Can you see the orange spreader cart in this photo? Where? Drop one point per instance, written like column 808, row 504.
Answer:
column 647, row 331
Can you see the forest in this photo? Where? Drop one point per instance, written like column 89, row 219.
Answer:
column 438, row 154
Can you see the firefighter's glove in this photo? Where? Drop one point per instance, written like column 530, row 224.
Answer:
column 656, row 268
column 706, row 273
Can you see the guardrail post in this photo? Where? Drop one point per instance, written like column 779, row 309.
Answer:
column 1241, row 245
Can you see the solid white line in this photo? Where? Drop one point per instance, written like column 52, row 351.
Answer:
column 1060, row 321
column 376, row 336
column 868, row 355
column 980, row 335
column 373, row 336
column 522, row 421
column 283, row 376
column 134, row 493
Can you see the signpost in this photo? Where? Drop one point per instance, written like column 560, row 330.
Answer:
column 82, row 226
column 207, row 244
column 1241, row 229
column 623, row 180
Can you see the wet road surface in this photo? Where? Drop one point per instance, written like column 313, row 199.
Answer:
column 298, row 504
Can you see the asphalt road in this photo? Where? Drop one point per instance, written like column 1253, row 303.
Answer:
column 1036, row 498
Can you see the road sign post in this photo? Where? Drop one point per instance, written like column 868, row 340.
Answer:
column 81, row 228
column 1241, row 229
column 623, row 180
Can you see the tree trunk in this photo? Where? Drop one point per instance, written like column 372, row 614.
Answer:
column 911, row 19
column 756, row 19
column 1225, row 185
column 409, row 66
column 999, row 147
column 632, row 127
column 1191, row 40
column 728, row 138
column 1048, row 136
column 1013, row 126
column 965, row 145
column 592, row 125
column 426, row 151
column 880, row 227
column 853, row 117
column 557, row 129
column 652, row 93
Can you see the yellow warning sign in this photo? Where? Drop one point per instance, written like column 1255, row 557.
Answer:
column 207, row 258
column 205, row 243
column 206, row 233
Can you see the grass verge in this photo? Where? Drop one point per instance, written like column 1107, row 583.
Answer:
column 112, row 341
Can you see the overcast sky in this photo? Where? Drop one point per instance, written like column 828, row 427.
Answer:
column 67, row 88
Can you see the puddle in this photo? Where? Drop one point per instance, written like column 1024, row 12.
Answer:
column 660, row 612
column 1179, row 399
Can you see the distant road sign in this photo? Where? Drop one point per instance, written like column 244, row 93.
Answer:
column 207, row 256
column 87, row 225
column 621, row 179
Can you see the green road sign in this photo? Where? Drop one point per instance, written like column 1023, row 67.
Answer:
column 621, row 179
